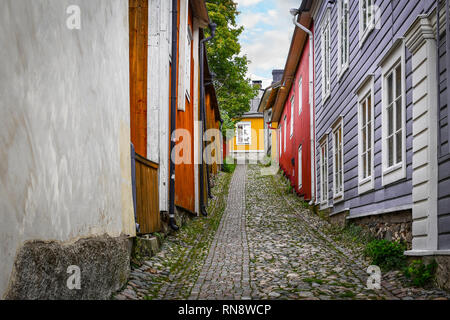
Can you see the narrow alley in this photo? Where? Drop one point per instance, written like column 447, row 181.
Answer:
column 260, row 242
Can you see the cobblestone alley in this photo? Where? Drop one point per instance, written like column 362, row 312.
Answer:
column 260, row 242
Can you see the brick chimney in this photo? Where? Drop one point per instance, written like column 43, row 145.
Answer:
column 257, row 83
column 277, row 75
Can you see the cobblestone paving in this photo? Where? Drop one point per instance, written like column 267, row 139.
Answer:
column 267, row 246
column 225, row 274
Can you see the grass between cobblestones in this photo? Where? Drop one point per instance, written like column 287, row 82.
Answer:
column 172, row 272
column 191, row 244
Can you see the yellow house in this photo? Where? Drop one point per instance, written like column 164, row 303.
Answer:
column 249, row 136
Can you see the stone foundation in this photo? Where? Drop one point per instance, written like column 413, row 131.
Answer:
column 181, row 217
column 41, row 269
column 395, row 226
column 339, row 219
column 442, row 271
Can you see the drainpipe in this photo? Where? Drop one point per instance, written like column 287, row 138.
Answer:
column 295, row 13
column 212, row 27
column 173, row 114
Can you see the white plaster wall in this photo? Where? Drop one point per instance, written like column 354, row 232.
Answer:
column 64, row 124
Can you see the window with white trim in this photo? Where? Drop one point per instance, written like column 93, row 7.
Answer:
column 324, row 172
column 300, row 96
column 292, row 116
column 343, row 35
column 325, row 48
column 394, row 117
column 284, row 127
column 280, row 145
column 338, row 160
column 366, row 18
column 188, row 63
column 244, row 133
column 300, row 176
column 366, row 136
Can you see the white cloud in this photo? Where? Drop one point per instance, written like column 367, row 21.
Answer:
column 247, row 3
column 267, row 37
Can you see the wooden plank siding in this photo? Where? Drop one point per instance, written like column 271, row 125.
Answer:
column 147, row 195
column 444, row 152
column 184, row 172
column 396, row 17
column 138, row 24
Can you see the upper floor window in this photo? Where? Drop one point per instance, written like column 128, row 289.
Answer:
column 326, row 65
column 343, row 38
column 338, row 160
column 366, row 18
column 394, row 115
column 244, row 133
column 292, row 115
column 188, row 62
column 300, row 96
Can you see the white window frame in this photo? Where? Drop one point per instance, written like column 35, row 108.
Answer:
column 338, row 194
column 326, row 55
column 188, row 64
column 284, row 127
column 343, row 36
column 366, row 94
column 366, row 13
column 281, row 144
column 239, row 141
column 394, row 58
column 324, row 172
column 291, row 129
column 300, row 166
column 300, row 96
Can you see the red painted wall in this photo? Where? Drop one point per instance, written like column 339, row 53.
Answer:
column 301, row 134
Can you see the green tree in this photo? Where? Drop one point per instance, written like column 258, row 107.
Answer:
column 233, row 88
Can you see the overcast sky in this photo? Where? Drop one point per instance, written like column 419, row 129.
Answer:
column 267, row 35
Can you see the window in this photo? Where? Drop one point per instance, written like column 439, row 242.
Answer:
column 338, row 160
column 366, row 135
column 244, row 133
column 280, row 145
column 188, row 63
column 326, row 70
column 284, row 127
column 394, row 114
column 300, row 178
column 300, row 96
column 343, row 37
column 366, row 19
column 324, row 172
column 292, row 116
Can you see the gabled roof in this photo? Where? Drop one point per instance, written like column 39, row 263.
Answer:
column 298, row 42
column 269, row 96
column 200, row 12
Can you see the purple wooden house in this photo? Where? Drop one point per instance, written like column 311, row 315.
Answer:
column 382, row 151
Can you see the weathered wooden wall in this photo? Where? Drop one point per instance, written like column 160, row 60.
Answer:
column 147, row 195
column 138, row 20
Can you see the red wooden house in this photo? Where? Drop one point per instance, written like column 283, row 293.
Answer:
column 293, row 111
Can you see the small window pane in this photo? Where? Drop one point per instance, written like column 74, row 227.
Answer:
column 369, row 163
column 399, row 147
column 390, row 119
column 398, row 81
column 398, row 115
column 390, row 89
column 391, row 151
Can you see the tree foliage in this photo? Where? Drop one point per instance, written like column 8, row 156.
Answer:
column 234, row 90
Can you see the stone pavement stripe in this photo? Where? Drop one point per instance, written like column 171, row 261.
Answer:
column 225, row 273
